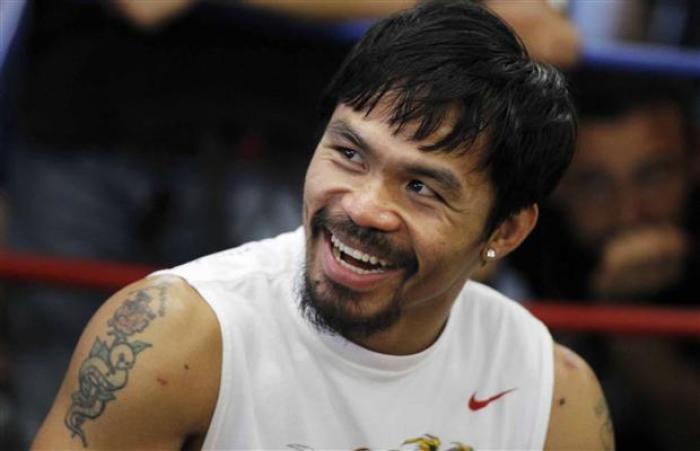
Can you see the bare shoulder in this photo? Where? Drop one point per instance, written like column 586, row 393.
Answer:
column 579, row 417
column 144, row 375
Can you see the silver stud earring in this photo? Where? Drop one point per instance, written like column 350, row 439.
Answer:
column 490, row 253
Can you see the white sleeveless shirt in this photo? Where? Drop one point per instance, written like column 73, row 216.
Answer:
column 485, row 383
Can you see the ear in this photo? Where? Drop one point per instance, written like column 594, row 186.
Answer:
column 513, row 231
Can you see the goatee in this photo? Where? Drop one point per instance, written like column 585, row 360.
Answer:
column 329, row 313
column 336, row 309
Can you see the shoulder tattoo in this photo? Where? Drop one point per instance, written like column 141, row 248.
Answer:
column 106, row 368
column 607, row 436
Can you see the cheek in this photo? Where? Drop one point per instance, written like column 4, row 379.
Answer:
column 588, row 219
column 667, row 204
column 591, row 220
column 448, row 259
column 445, row 272
column 590, row 228
column 313, row 185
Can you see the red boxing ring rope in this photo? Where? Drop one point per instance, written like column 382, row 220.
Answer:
column 613, row 319
column 70, row 272
column 618, row 319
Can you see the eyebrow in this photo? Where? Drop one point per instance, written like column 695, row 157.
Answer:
column 342, row 128
column 442, row 176
column 447, row 179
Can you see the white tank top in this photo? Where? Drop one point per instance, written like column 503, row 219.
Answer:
column 485, row 383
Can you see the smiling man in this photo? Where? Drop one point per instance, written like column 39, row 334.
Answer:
column 361, row 329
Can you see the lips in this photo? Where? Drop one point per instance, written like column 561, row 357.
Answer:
column 355, row 259
column 352, row 267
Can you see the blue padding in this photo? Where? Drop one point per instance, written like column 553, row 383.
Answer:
column 351, row 31
column 642, row 58
column 603, row 54
column 10, row 13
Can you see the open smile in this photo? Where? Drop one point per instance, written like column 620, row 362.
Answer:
column 354, row 268
column 356, row 260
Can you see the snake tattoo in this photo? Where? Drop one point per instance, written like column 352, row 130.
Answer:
column 106, row 369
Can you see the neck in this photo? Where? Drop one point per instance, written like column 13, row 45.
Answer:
column 414, row 332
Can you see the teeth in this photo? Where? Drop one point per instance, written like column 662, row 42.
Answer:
column 355, row 269
column 358, row 255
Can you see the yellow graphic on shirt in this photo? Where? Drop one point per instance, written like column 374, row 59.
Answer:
column 426, row 442
column 431, row 443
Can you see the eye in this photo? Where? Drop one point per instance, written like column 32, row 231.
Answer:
column 349, row 154
column 653, row 176
column 593, row 184
column 421, row 189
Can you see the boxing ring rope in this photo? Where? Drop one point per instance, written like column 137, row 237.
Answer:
column 618, row 319
column 81, row 273
column 612, row 319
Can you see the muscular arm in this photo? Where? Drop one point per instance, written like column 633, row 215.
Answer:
column 145, row 373
column 579, row 417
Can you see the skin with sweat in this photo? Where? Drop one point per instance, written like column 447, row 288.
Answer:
column 432, row 203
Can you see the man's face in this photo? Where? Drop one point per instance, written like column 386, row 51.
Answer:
column 627, row 173
column 393, row 232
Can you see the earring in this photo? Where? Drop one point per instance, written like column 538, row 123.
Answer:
column 487, row 255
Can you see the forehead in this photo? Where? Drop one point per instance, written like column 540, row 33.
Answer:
column 637, row 138
column 375, row 129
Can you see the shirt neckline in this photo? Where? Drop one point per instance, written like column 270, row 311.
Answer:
column 346, row 352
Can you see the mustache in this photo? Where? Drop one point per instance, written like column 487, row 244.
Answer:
column 375, row 241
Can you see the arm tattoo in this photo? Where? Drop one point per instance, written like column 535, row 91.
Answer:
column 106, row 369
column 607, row 436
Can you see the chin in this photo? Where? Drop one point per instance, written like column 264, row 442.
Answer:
column 334, row 309
column 354, row 276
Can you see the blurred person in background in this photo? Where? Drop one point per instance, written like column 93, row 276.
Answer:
column 620, row 230
column 155, row 131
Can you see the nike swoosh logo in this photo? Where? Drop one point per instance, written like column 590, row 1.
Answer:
column 478, row 404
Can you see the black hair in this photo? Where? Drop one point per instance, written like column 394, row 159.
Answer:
column 454, row 56
column 601, row 95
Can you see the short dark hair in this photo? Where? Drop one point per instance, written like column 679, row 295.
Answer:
column 601, row 95
column 449, row 56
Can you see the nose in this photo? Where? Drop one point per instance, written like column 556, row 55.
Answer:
column 371, row 206
column 630, row 208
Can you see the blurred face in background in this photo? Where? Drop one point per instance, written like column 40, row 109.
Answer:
column 629, row 172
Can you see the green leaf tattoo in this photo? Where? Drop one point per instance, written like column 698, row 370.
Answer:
column 99, row 349
column 105, row 371
column 607, row 435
